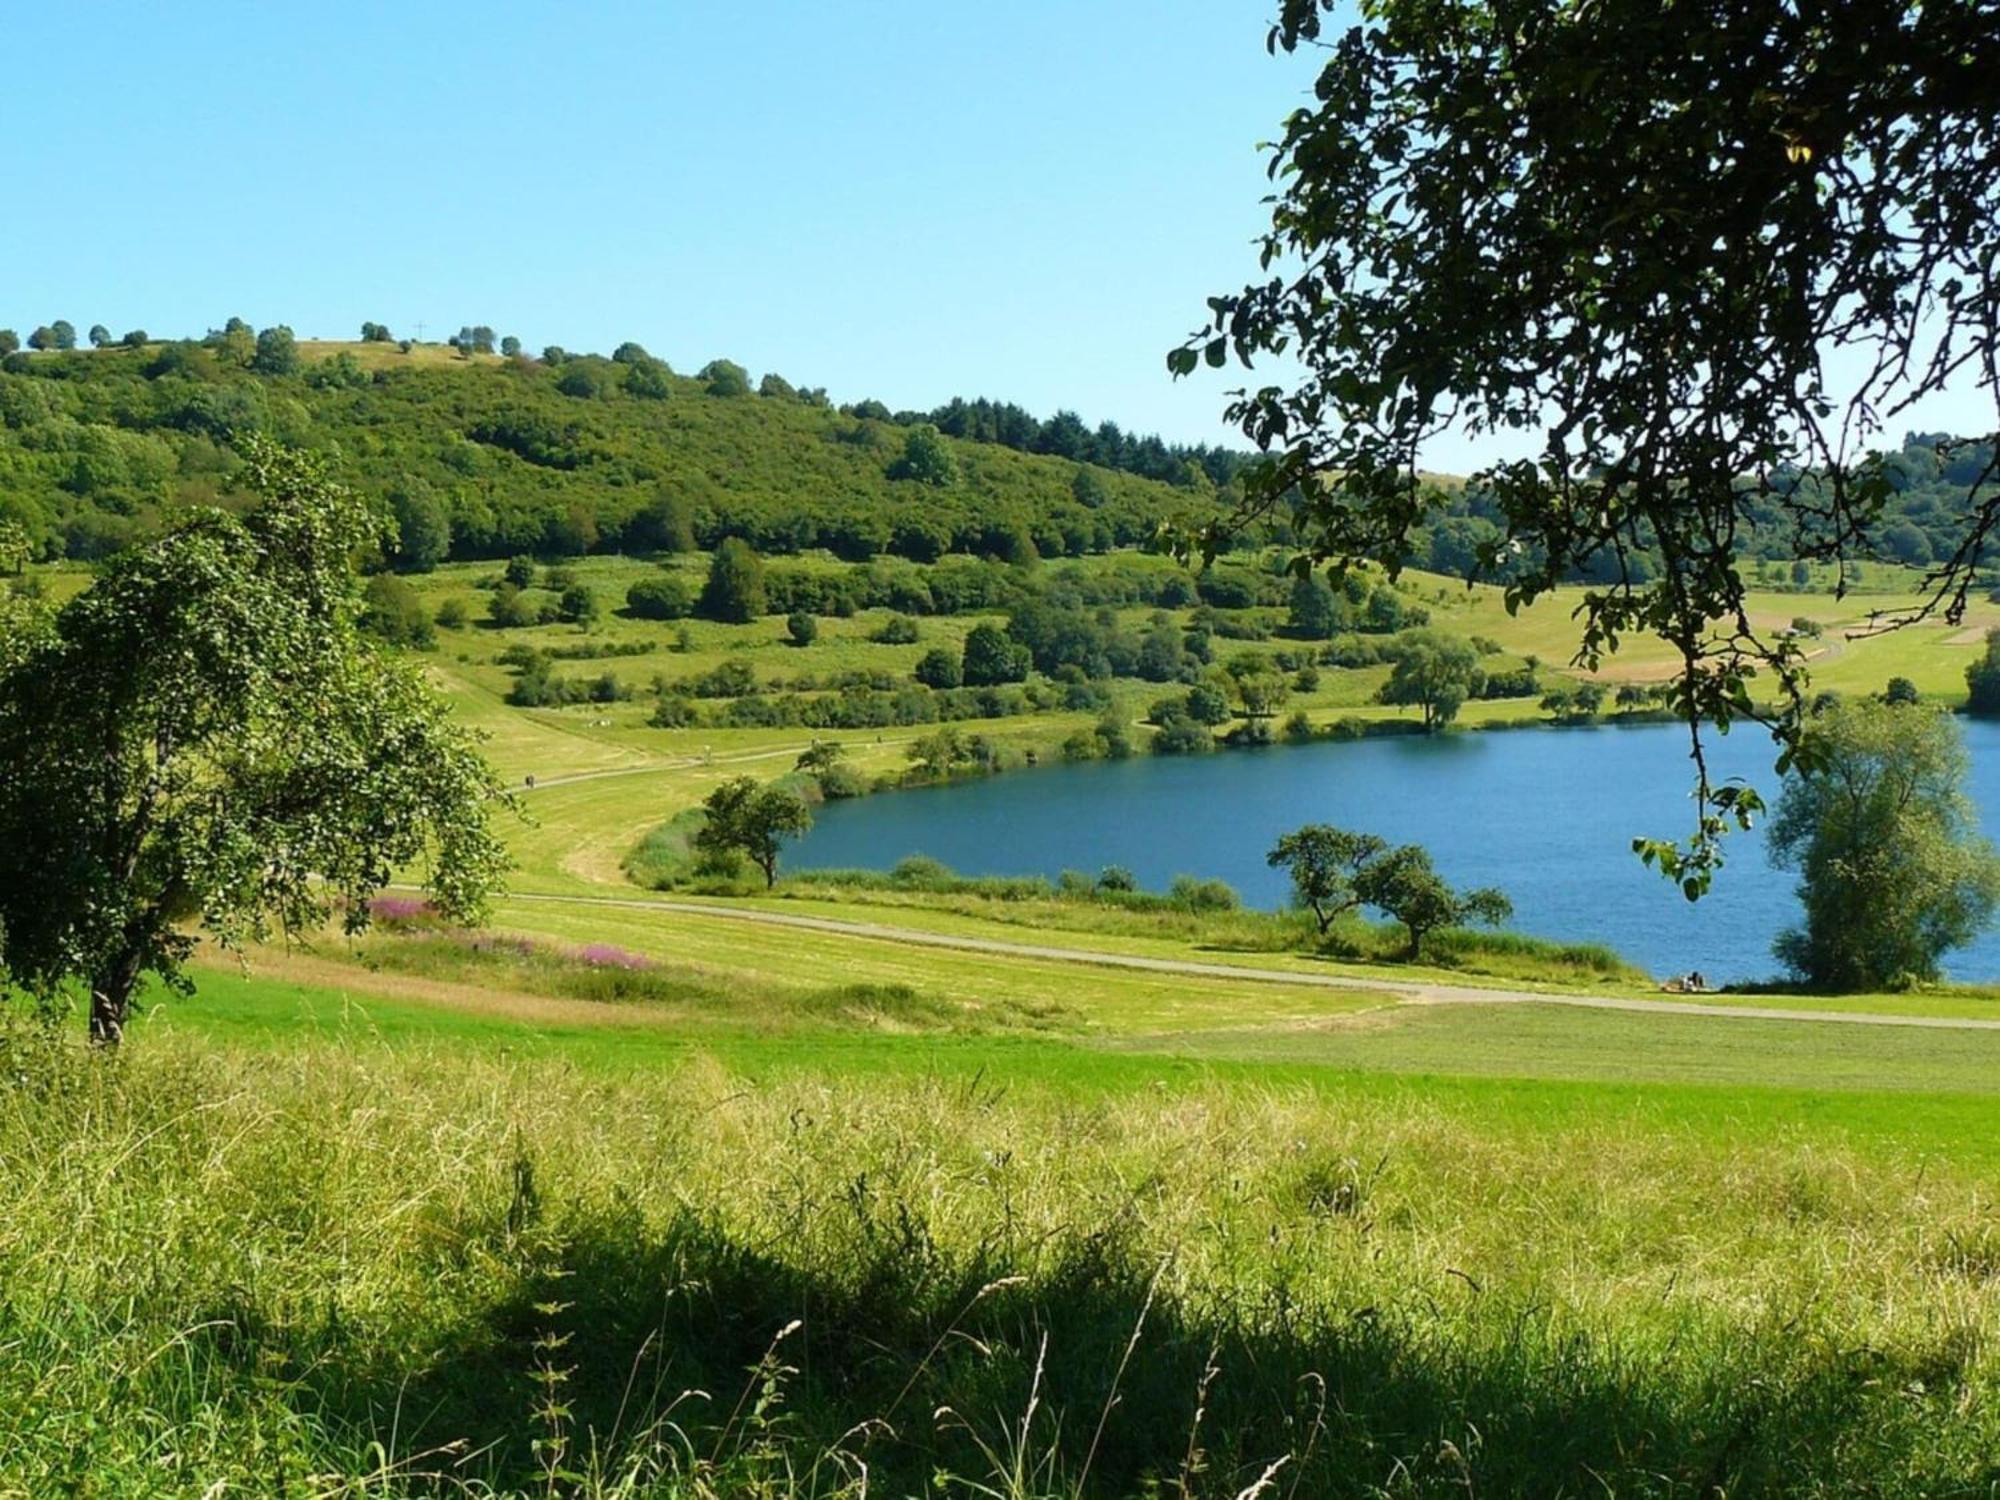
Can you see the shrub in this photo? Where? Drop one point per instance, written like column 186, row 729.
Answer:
column 663, row 598
column 897, row 630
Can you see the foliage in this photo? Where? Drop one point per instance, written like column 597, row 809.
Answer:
column 753, row 820
column 992, row 657
column 1982, row 679
column 1323, row 862
column 522, row 455
column 801, row 628
column 1435, row 672
column 392, row 611
column 1477, row 221
column 734, row 591
column 203, row 737
column 926, row 460
column 1403, row 883
column 1893, row 873
column 661, row 598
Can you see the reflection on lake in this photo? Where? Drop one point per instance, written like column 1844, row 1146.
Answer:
column 1547, row 815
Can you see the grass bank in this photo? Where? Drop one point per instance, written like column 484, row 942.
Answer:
column 331, row 1268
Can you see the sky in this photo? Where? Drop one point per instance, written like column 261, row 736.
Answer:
column 1028, row 200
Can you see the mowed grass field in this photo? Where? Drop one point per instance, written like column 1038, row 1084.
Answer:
column 752, row 1209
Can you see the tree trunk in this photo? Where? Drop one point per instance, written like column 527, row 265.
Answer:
column 111, row 999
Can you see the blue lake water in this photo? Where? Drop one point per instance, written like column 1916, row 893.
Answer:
column 1546, row 815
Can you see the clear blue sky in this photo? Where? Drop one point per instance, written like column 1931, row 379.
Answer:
column 1027, row 200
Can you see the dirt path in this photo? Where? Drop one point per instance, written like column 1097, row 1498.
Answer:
column 1414, row 991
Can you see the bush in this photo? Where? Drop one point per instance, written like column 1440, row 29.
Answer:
column 1202, row 895
column 938, row 668
column 802, row 628
column 392, row 611
column 897, row 630
column 662, row 598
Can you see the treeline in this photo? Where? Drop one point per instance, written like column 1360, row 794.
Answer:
column 1928, row 488
column 474, row 457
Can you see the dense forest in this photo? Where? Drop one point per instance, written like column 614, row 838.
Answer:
column 480, row 450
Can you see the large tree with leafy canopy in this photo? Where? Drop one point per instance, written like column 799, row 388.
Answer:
column 1893, row 871
column 1691, row 251
column 204, row 742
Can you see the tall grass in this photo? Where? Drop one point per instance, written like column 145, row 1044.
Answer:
column 349, row 1271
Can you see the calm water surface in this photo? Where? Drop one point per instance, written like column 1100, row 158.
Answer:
column 1547, row 815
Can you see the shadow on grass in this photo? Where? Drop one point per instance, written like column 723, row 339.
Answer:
column 920, row 1363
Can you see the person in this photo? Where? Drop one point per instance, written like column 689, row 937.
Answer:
column 1696, row 981
column 531, row 781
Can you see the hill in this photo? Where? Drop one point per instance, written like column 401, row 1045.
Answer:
column 480, row 455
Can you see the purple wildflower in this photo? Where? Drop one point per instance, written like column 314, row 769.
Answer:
column 611, row 956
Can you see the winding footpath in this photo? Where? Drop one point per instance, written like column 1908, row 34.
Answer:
column 1419, row 992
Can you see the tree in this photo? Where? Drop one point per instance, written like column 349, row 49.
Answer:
column 926, row 459
column 820, row 756
column 663, row 524
column 510, row 347
column 1208, row 704
column 1435, row 672
column 62, row 334
column 521, row 571
column 277, row 352
column 725, row 377
column 1650, row 270
column 647, row 379
column 735, row 589
column 391, row 610
column 10, row 342
column 939, row 668
column 135, row 339
column 1323, row 862
column 423, row 527
column 1893, row 872
column 376, row 333
column 1902, row 692
column 1316, row 614
column 659, row 599
column 752, row 820
column 630, row 353
column 99, row 335
column 937, row 753
column 43, row 337
column 801, row 627
column 578, row 604
column 1982, row 680
column 1162, row 654
column 203, row 739
column 1403, row 884
column 992, row 658
column 583, row 380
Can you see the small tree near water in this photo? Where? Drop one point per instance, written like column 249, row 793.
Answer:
column 1403, row 883
column 752, row 820
column 1323, row 862
column 204, row 740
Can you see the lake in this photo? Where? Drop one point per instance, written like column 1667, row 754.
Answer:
column 1548, row 815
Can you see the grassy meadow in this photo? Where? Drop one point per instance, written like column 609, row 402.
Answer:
column 630, row 1196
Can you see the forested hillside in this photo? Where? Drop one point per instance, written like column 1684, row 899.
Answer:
column 488, row 455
